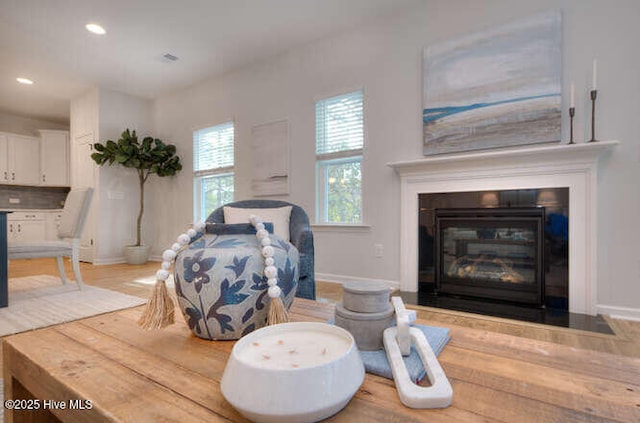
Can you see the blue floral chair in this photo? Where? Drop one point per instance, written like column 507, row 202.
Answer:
column 301, row 238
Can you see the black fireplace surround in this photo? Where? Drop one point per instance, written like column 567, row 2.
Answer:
column 498, row 248
column 492, row 253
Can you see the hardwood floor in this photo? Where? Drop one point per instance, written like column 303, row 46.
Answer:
column 139, row 280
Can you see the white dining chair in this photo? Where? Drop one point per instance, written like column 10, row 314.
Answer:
column 74, row 216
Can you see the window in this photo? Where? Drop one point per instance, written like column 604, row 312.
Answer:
column 339, row 146
column 212, row 168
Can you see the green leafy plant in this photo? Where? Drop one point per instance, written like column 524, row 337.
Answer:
column 148, row 157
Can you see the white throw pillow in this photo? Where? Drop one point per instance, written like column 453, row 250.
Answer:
column 278, row 216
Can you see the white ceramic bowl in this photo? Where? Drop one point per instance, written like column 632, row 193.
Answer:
column 293, row 372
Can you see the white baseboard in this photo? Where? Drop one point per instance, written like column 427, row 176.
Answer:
column 120, row 260
column 626, row 313
column 328, row 277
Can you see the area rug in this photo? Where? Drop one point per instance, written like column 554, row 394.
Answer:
column 40, row 301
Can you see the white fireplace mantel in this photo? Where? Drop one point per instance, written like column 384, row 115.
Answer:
column 543, row 166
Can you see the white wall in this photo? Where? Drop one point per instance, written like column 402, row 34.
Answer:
column 118, row 191
column 27, row 126
column 112, row 220
column 385, row 60
column 82, row 134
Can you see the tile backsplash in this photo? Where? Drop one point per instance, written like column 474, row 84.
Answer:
column 23, row 197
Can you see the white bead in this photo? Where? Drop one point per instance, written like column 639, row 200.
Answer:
column 162, row 275
column 199, row 226
column 168, row 255
column 274, row 291
column 259, row 226
column 184, row 239
column 272, row 282
column 192, row 233
column 262, row 233
column 270, row 272
column 269, row 261
column 252, row 219
column 267, row 251
column 166, row 265
column 175, row 246
column 266, row 241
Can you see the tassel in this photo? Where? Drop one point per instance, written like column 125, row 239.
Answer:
column 277, row 312
column 159, row 311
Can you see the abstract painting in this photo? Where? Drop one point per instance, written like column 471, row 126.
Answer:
column 496, row 88
column 270, row 150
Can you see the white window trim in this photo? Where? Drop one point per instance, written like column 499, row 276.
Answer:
column 338, row 227
column 320, row 221
column 197, row 191
column 321, row 183
column 199, row 175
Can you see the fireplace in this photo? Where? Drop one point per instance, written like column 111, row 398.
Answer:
column 508, row 246
column 545, row 166
column 492, row 253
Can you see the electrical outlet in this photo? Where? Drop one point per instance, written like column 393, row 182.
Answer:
column 378, row 250
column 115, row 195
column 14, row 201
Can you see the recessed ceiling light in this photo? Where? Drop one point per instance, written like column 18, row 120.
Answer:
column 25, row 81
column 95, row 28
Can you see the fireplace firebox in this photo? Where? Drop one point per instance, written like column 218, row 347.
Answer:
column 491, row 253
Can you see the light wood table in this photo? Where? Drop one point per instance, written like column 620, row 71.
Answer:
column 130, row 375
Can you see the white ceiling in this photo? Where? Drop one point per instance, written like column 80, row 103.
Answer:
column 45, row 40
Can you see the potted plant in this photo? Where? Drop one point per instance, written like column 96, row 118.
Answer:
column 149, row 157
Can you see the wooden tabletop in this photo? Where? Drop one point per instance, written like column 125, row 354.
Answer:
column 130, row 375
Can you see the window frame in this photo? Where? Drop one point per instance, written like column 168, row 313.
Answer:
column 200, row 175
column 343, row 156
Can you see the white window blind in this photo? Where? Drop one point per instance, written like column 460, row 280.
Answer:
column 213, row 148
column 339, row 124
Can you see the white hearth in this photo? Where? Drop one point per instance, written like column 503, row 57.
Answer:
column 543, row 166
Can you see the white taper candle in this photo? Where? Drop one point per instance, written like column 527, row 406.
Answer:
column 595, row 74
column 573, row 95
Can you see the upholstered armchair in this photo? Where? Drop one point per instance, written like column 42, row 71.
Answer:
column 300, row 233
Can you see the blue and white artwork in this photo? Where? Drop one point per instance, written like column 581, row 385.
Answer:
column 497, row 88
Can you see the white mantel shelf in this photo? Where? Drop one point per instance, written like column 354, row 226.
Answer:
column 572, row 166
column 547, row 152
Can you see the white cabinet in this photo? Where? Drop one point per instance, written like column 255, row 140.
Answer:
column 35, row 161
column 4, row 162
column 54, row 158
column 25, row 227
column 20, row 163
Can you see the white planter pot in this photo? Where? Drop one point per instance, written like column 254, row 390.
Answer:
column 136, row 254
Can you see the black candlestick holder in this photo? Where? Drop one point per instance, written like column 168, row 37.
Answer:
column 572, row 113
column 594, row 95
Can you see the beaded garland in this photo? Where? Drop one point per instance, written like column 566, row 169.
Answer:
column 270, row 270
column 170, row 254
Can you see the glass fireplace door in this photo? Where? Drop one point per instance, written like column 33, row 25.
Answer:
column 491, row 253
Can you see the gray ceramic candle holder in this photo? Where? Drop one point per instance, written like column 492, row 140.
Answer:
column 365, row 312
